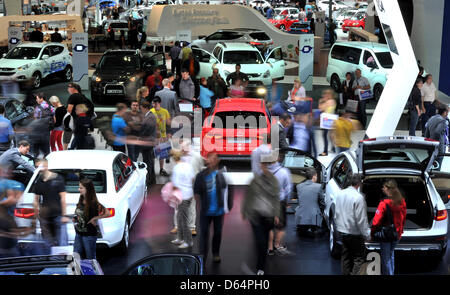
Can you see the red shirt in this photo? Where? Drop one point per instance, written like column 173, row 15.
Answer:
column 150, row 83
column 398, row 215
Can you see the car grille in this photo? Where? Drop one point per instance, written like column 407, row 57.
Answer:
column 6, row 74
column 254, row 75
column 6, row 69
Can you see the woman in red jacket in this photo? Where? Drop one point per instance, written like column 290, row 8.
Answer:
column 397, row 205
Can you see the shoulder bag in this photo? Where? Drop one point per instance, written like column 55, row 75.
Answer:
column 387, row 233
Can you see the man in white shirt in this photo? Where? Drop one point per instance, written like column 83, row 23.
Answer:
column 352, row 225
column 429, row 96
column 361, row 83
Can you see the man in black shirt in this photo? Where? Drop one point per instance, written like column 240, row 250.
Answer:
column 414, row 104
column 237, row 74
column 75, row 99
column 50, row 202
column 56, row 36
column 37, row 35
column 133, row 39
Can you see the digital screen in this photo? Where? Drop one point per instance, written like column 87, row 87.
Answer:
column 390, row 38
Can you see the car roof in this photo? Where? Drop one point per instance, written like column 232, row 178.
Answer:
column 82, row 159
column 377, row 47
column 238, row 46
column 240, row 104
column 38, row 44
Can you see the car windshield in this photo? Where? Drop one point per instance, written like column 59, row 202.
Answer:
column 242, row 57
column 280, row 17
column 385, row 59
column 358, row 16
column 239, row 120
column 400, row 156
column 72, row 179
column 118, row 61
column 24, row 53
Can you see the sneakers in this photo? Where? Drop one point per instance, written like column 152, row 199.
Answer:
column 177, row 242
column 270, row 252
column 260, row 272
column 163, row 172
column 185, row 245
column 216, row 259
column 193, row 232
column 283, row 251
column 174, row 230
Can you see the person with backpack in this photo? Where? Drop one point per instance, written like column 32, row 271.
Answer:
column 82, row 140
column 43, row 123
column 390, row 212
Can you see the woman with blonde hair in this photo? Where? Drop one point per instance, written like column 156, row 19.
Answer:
column 183, row 178
column 142, row 93
column 391, row 210
column 58, row 130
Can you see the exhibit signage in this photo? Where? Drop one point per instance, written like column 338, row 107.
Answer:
column 80, row 60
column 184, row 35
column 306, row 60
column 14, row 36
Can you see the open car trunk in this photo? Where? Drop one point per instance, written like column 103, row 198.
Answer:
column 419, row 214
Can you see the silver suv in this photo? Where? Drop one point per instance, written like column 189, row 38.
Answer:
column 255, row 37
column 411, row 162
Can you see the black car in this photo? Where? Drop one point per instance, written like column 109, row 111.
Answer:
column 121, row 72
column 17, row 112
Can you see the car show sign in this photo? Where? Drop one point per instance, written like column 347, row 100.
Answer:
column 327, row 120
column 402, row 77
column 306, row 60
column 184, row 35
column 14, row 36
column 80, row 60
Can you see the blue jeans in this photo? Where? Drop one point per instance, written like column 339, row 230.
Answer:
column 387, row 257
column 53, row 231
column 430, row 111
column 85, row 246
column 413, row 120
column 133, row 152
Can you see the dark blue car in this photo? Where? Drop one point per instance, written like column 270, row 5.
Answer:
column 301, row 27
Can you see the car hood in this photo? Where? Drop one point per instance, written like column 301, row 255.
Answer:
column 116, row 74
column 14, row 63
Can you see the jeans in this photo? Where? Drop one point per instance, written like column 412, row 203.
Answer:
column 362, row 113
column 56, row 140
column 261, row 227
column 133, row 152
column 192, row 215
column 430, row 111
column 413, row 120
column 54, row 232
column 387, row 258
column 205, row 222
column 85, row 246
column 325, row 140
column 148, row 159
column 353, row 254
column 184, row 232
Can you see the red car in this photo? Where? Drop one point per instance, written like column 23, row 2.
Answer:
column 357, row 21
column 248, row 121
column 283, row 22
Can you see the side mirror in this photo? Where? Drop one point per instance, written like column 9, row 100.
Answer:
column 212, row 60
column 4, row 54
column 167, row 264
column 45, row 56
column 93, row 65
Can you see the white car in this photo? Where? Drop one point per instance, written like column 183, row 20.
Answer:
column 225, row 56
column 257, row 3
column 291, row 11
column 373, row 59
column 37, row 60
column 120, row 185
column 410, row 161
column 324, row 5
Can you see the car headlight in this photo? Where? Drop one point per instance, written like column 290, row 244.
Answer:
column 23, row 68
column 261, row 91
column 266, row 74
column 132, row 79
column 96, row 78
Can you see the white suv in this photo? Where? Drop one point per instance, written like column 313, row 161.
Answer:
column 37, row 61
column 225, row 56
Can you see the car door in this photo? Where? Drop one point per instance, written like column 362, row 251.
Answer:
column 58, row 61
column 128, row 185
column 157, row 60
column 276, row 63
column 298, row 162
column 206, row 61
column 45, row 61
column 441, row 179
column 136, row 179
column 369, row 67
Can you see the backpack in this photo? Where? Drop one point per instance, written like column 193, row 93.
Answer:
column 47, row 116
column 104, row 125
column 91, row 108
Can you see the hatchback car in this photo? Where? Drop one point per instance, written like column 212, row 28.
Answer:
column 256, row 37
column 225, row 56
column 356, row 21
column 119, row 184
column 410, row 161
column 235, row 128
column 283, row 22
column 290, row 11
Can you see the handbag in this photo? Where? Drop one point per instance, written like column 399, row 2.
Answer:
column 387, row 233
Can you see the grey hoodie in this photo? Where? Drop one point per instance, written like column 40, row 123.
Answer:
column 435, row 129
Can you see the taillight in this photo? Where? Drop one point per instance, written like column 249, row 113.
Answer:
column 441, row 215
column 369, row 139
column 26, row 213
column 429, row 139
column 112, row 212
column 255, row 43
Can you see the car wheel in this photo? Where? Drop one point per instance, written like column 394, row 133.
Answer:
column 377, row 90
column 37, row 78
column 335, row 248
column 123, row 245
column 67, row 74
column 335, row 82
column 282, row 27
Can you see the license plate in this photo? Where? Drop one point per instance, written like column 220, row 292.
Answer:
column 114, row 91
column 239, row 140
